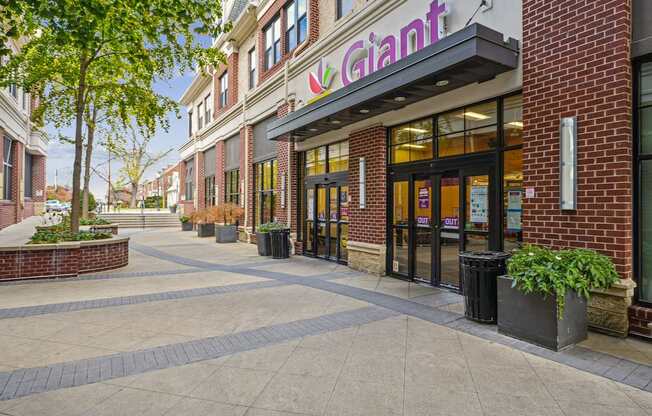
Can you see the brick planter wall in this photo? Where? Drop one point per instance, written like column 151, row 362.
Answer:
column 49, row 261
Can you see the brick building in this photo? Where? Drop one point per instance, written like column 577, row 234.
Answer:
column 24, row 153
column 391, row 135
column 165, row 185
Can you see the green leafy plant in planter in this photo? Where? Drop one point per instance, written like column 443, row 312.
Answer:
column 553, row 273
column 184, row 219
column 93, row 221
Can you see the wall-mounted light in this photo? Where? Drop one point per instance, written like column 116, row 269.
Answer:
column 568, row 164
column 283, row 189
column 362, row 183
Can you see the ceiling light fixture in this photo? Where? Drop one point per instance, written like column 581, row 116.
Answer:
column 413, row 146
column 442, row 83
column 364, row 111
column 313, row 129
column 415, row 130
column 517, row 124
column 476, row 116
column 336, row 122
column 399, row 99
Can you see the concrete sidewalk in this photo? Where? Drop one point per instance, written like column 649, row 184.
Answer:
column 20, row 233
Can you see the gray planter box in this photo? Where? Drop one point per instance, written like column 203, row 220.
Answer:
column 186, row 226
column 533, row 318
column 205, row 230
column 264, row 243
column 226, row 233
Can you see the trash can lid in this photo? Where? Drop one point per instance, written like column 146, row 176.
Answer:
column 485, row 255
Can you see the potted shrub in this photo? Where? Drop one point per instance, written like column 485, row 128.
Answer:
column 186, row 224
column 264, row 238
column 205, row 222
column 543, row 298
column 173, row 208
column 228, row 216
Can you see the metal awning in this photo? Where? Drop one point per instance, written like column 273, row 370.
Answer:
column 473, row 54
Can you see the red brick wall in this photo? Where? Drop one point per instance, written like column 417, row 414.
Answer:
column 576, row 62
column 287, row 165
column 250, row 184
column 219, row 172
column 277, row 9
column 62, row 262
column 38, row 178
column 368, row 225
column 201, row 184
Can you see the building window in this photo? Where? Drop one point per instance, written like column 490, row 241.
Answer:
column 13, row 90
column 224, row 90
column 327, row 159
column 232, row 186
column 469, row 130
column 296, row 23
column 190, row 180
column 25, row 100
column 644, row 101
column 273, row 43
column 207, row 109
column 209, row 194
column 266, row 177
column 252, row 68
column 200, row 117
column 29, row 174
column 411, row 142
column 344, row 7
column 190, row 123
column 8, row 168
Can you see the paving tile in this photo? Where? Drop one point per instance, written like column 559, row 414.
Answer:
column 439, row 401
column 356, row 398
column 266, row 412
column 315, row 363
column 233, row 385
column 506, row 380
column 590, row 392
column 196, row 407
column 179, row 380
column 496, row 404
column 268, row 358
column 362, row 366
column 591, row 409
column 298, row 394
column 134, row 402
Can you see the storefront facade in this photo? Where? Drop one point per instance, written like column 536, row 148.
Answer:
column 391, row 135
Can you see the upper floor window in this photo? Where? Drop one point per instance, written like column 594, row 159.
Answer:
column 344, row 7
column 296, row 23
column 224, row 89
column 29, row 174
column 273, row 43
column 25, row 100
column 190, row 180
column 190, row 123
column 200, row 117
column 252, row 68
column 327, row 159
column 207, row 109
column 8, row 168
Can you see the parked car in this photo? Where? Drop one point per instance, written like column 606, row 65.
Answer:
column 53, row 205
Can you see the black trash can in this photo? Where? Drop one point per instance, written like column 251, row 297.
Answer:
column 280, row 244
column 480, row 271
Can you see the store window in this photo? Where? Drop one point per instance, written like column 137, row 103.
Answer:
column 327, row 159
column 209, row 177
column 470, row 130
column 411, row 142
column 266, row 179
column 232, row 186
column 296, row 23
column 273, row 43
column 29, row 174
column 513, row 199
column 513, row 120
column 645, row 181
column 8, row 168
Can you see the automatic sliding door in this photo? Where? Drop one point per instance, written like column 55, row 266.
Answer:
column 401, row 228
column 422, row 229
column 449, row 232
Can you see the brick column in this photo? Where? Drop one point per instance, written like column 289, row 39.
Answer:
column 287, row 165
column 576, row 62
column 38, row 183
column 250, row 184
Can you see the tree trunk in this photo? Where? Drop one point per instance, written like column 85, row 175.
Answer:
column 79, row 145
column 134, row 195
column 87, row 162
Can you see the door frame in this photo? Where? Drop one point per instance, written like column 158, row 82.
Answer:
column 487, row 163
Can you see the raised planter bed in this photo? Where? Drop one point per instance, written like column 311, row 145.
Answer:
column 533, row 318
column 50, row 261
column 205, row 230
column 226, row 233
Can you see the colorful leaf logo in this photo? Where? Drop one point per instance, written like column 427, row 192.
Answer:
column 321, row 81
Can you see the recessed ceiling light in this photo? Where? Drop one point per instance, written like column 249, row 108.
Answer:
column 475, row 116
column 364, row 111
column 313, row 129
column 413, row 146
column 442, row 83
column 517, row 124
column 399, row 99
column 416, row 130
column 335, row 122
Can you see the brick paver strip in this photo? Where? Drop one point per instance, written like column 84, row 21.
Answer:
column 27, row 381
column 605, row 365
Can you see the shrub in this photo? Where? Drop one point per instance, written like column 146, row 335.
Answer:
column 93, row 221
column 54, row 237
column 228, row 213
column 549, row 272
column 271, row 226
column 184, row 219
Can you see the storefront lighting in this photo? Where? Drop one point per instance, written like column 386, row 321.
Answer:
column 335, row 122
column 475, row 116
column 442, row 83
column 568, row 163
column 399, row 99
column 313, row 129
column 413, row 146
column 517, row 124
column 416, row 130
column 364, row 111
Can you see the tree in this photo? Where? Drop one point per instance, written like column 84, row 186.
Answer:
column 76, row 47
column 133, row 152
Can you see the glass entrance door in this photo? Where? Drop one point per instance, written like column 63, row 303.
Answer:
column 327, row 231
column 426, row 249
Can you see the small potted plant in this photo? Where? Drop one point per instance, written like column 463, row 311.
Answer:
column 228, row 216
column 173, row 208
column 186, row 224
column 543, row 298
column 205, row 222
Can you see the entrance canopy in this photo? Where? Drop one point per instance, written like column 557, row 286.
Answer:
column 473, row 54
